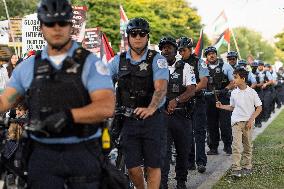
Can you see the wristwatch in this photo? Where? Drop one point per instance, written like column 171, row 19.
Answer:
column 177, row 99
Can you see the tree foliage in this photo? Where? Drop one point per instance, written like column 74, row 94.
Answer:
column 17, row 8
column 166, row 18
column 251, row 43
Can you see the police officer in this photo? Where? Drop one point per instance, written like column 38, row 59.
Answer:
column 181, row 88
column 264, row 81
column 280, row 85
column 199, row 113
column 69, row 93
column 275, row 99
column 219, row 84
column 142, row 86
column 232, row 58
column 251, row 77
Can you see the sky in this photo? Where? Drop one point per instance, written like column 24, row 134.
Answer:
column 264, row 16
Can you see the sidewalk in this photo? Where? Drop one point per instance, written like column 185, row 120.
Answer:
column 216, row 166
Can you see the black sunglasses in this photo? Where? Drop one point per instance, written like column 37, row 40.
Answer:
column 232, row 59
column 52, row 24
column 134, row 34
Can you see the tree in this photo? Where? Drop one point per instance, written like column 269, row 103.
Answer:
column 166, row 18
column 251, row 43
column 17, row 8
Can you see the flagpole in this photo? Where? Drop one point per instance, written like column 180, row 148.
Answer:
column 236, row 44
column 9, row 22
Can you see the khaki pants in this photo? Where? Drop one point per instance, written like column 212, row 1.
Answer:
column 241, row 136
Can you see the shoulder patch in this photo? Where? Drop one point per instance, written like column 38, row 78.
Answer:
column 162, row 63
column 102, row 68
column 203, row 64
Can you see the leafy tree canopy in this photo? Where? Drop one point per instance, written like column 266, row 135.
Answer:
column 251, row 43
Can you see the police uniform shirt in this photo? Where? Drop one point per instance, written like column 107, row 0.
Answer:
column 227, row 69
column 188, row 74
column 202, row 69
column 261, row 75
column 251, row 78
column 95, row 76
column 274, row 75
column 159, row 67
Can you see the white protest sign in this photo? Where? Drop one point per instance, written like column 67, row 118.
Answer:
column 4, row 34
column 32, row 38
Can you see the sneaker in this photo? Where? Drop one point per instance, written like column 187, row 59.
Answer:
column 181, row 184
column 201, row 168
column 212, row 152
column 246, row 172
column 236, row 173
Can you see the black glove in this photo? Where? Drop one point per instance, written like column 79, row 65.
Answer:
column 56, row 122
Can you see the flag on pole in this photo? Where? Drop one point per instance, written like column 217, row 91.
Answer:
column 199, row 46
column 221, row 31
column 106, row 51
column 123, row 25
column 224, row 38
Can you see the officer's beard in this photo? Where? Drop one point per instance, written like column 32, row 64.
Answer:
column 60, row 47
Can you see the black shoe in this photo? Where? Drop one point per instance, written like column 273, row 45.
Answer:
column 181, row 184
column 201, row 168
column 212, row 152
column 278, row 106
column 192, row 167
column 228, row 150
column 259, row 125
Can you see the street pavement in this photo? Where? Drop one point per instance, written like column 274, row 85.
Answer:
column 216, row 167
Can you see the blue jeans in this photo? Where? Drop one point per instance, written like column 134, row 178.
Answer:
column 61, row 165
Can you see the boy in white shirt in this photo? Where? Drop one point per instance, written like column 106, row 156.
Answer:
column 246, row 106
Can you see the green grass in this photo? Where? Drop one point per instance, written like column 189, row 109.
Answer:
column 268, row 161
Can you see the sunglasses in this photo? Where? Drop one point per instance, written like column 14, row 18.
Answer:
column 52, row 24
column 232, row 59
column 134, row 34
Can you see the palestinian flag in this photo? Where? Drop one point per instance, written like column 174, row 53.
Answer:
column 199, row 46
column 106, row 51
column 223, row 39
column 123, row 24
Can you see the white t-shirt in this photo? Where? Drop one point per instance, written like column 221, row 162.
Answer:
column 244, row 103
column 58, row 58
column 188, row 74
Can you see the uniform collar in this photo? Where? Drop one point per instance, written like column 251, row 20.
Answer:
column 74, row 46
column 128, row 56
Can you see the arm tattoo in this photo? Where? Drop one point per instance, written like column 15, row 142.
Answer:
column 157, row 98
column 12, row 99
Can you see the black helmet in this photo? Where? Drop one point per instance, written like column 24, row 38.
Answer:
column 260, row 62
column 138, row 23
column 54, row 11
column 254, row 63
column 167, row 40
column 185, row 42
column 232, row 54
column 210, row 49
column 267, row 65
column 242, row 62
